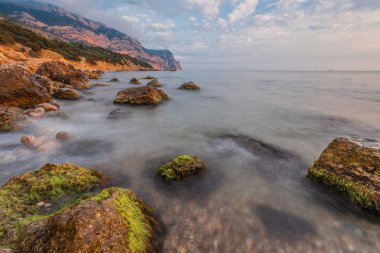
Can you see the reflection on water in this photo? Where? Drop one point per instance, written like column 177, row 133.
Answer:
column 257, row 131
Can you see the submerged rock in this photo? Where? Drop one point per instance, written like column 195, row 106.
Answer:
column 95, row 74
column 189, row 86
column 37, row 113
column 20, row 88
column 102, row 84
column 64, row 73
column 11, row 119
column 114, row 80
column 52, row 183
column 146, row 95
column 118, row 114
column 134, row 81
column 181, row 167
column 114, row 220
column 67, row 94
column 64, row 136
column 154, row 83
column 351, row 165
column 149, row 77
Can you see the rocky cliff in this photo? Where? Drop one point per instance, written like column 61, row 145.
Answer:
column 58, row 23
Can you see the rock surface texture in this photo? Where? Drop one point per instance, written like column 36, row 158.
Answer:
column 11, row 118
column 189, row 86
column 181, row 167
column 351, row 165
column 145, row 95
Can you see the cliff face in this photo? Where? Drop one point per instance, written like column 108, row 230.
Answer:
column 58, row 23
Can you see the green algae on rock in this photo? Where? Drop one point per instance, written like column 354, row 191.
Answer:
column 52, row 183
column 114, row 220
column 146, row 95
column 352, row 166
column 11, row 119
column 182, row 166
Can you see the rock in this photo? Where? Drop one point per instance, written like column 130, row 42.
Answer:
column 20, row 88
column 63, row 136
column 189, row 86
column 149, row 77
column 52, row 183
column 134, row 81
column 102, row 84
column 57, row 114
column 68, row 87
column 118, row 114
column 65, row 73
column 146, row 95
column 67, row 94
column 181, row 167
column 33, row 142
column 154, row 83
column 352, row 166
column 11, row 119
column 40, row 204
column 37, row 113
column 48, row 146
column 114, row 80
column 114, row 220
column 95, row 74
column 48, row 107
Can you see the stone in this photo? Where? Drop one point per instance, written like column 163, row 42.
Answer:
column 63, row 136
column 37, row 113
column 12, row 118
column 118, row 114
column 67, row 94
column 48, row 107
column 154, row 83
column 149, row 77
column 181, row 167
column 352, row 166
column 134, row 81
column 102, row 84
column 146, row 95
column 189, row 86
column 114, row 80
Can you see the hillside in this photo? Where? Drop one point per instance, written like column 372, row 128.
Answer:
column 59, row 23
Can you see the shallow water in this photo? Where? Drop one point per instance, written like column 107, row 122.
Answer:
column 257, row 131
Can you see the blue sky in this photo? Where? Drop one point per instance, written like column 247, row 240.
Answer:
column 249, row 34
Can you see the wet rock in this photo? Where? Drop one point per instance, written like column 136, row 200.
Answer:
column 146, row 95
column 118, row 114
column 37, row 113
column 63, row 136
column 189, row 86
column 102, row 84
column 48, row 107
column 49, row 146
column 149, row 77
column 67, row 94
column 114, row 220
column 64, row 73
column 34, row 142
column 57, row 114
column 134, row 81
column 96, row 74
column 181, row 167
column 154, row 83
column 351, row 165
column 11, row 119
column 67, row 87
column 20, row 88
column 114, row 80
column 52, row 183
column 88, row 147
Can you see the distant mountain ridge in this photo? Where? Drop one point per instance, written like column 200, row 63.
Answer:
column 56, row 22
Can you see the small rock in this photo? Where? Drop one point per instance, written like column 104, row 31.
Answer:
column 154, row 83
column 37, row 113
column 63, row 136
column 134, row 81
column 149, row 77
column 40, row 204
column 114, row 80
column 48, row 107
column 181, row 167
column 67, row 94
column 48, row 146
column 102, row 84
column 33, row 142
column 146, row 95
column 118, row 114
column 189, row 86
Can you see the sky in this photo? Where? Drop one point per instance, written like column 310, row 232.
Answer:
column 249, row 34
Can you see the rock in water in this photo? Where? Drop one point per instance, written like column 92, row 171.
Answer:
column 134, row 81
column 19, row 88
column 146, row 95
column 149, row 77
column 154, row 83
column 64, row 73
column 112, row 221
column 67, row 94
column 181, row 167
column 114, row 80
column 351, row 165
column 48, row 107
column 12, row 118
column 189, row 86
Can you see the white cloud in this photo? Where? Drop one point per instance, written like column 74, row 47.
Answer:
column 242, row 10
column 207, row 7
column 130, row 19
column 163, row 26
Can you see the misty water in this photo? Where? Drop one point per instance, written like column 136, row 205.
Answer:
column 258, row 132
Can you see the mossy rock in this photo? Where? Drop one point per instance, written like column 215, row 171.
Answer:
column 135, row 81
column 351, row 166
column 190, row 86
column 181, row 167
column 52, row 183
column 114, row 220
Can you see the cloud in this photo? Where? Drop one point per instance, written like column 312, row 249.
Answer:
column 242, row 10
column 162, row 26
column 207, row 7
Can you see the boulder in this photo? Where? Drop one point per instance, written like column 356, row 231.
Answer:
column 37, row 113
column 51, row 184
column 48, row 107
column 67, row 94
column 189, row 86
column 352, row 166
column 114, row 220
column 181, row 167
column 34, row 142
column 65, row 73
column 114, row 80
column 20, row 88
column 12, row 118
column 95, row 74
column 154, row 83
column 146, row 95
column 149, row 77
column 134, row 81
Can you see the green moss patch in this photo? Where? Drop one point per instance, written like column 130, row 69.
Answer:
column 181, row 167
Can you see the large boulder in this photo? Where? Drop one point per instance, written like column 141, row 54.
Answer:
column 20, row 88
column 67, row 94
column 181, row 167
column 112, row 221
column 64, row 73
column 189, row 86
column 21, row 196
column 352, row 166
column 11, row 118
column 146, row 95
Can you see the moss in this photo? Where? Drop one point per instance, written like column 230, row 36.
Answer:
column 19, row 196
column 180, row 167
column 357, row 192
